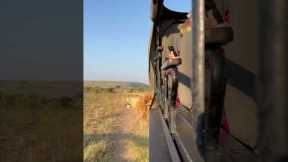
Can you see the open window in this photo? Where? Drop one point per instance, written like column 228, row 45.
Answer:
column 178, row 5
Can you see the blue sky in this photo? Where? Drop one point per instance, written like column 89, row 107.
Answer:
column 116, row 36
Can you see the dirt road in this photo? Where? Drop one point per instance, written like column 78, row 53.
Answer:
column 112, row 131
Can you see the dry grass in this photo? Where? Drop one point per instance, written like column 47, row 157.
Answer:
column 37, row 128
column 137, row 148
column 97, row 151
column 99, row 118
column 111, row 131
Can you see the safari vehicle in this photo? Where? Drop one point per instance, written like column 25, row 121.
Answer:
column 219, row 75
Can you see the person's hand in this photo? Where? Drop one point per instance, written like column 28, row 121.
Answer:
column 171, row 55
